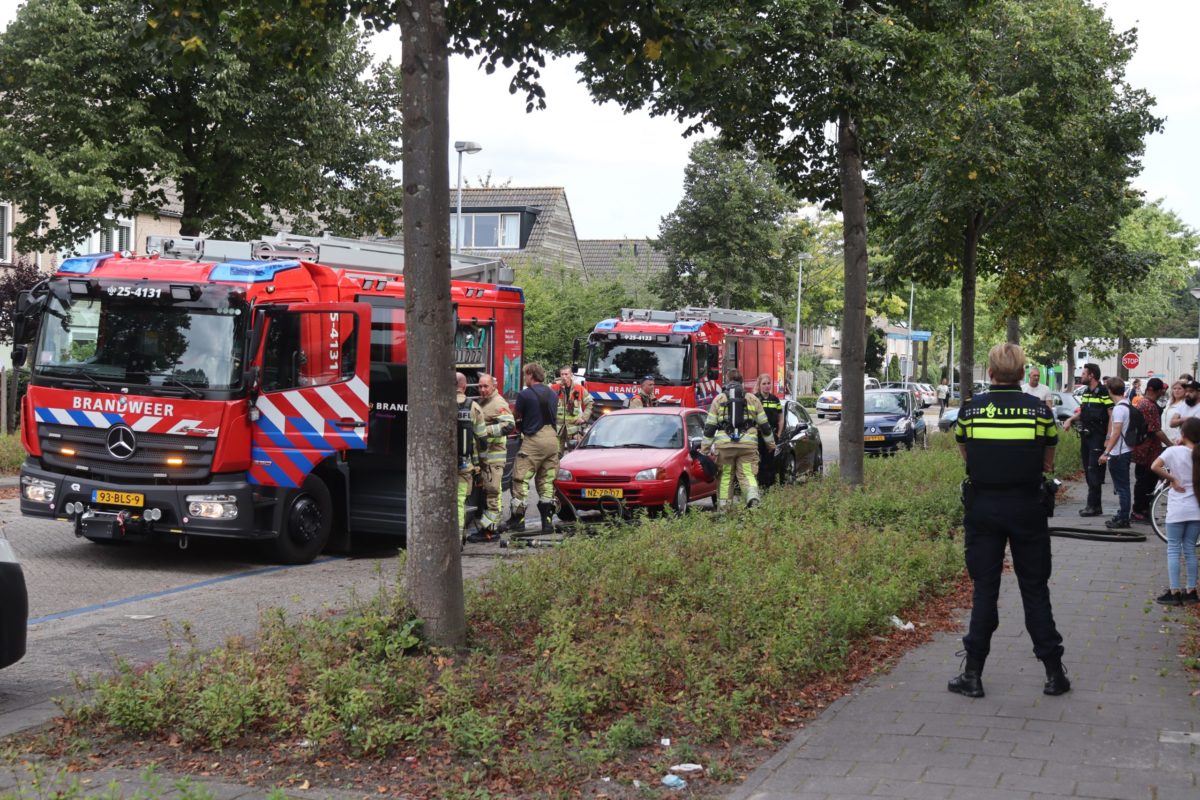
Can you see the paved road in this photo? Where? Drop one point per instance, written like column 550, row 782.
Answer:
column 90, row 604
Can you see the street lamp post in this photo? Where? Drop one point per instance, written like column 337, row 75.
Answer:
column 796, row 339
column 461, row 147
column 1195, row 292
column 908, row 368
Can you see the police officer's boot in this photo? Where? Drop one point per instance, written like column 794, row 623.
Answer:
column 1056, row 677
column 546, row 511
column 970, row 682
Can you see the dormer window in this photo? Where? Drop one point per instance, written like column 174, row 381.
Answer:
column 487, row 231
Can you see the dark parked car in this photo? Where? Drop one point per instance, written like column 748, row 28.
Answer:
column 14, row 607
column 891, row 418
column 799, row 450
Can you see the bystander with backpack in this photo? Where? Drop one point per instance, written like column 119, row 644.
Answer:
column 1126, row 425
column 734, row 424
column 1153, row 440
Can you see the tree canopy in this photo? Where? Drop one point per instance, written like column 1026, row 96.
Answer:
column 1019, row 162
column 93, row 122
column 726, row 241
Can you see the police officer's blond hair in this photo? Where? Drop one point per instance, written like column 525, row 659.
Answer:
column 1006, row 362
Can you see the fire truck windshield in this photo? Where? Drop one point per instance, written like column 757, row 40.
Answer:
column 141, row 337
column 630, row 361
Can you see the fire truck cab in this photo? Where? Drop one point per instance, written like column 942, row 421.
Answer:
column 253, row 390
column 687, row 351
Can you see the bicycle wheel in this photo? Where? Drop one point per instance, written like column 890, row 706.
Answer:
column 1158, row 510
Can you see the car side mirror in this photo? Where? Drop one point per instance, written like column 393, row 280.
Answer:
column 24, row 300
column 20, row 352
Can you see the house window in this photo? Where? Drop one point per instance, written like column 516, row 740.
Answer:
column 116, row 236
column 487, row 231
column 819, row 339
column 5, row 230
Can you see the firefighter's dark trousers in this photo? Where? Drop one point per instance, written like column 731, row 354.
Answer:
column 1015, row 518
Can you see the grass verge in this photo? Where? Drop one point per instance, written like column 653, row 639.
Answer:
column 699, row 629
column 12, row 454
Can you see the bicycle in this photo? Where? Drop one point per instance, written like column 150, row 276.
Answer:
column 1158, row 510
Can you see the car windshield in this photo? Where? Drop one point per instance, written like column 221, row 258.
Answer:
column 138, row 335
column 660, row 431
column 835, row 385
column 630, row 361
column 884, row 403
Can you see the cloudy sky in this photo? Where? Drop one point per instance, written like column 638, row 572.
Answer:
column 623, row 172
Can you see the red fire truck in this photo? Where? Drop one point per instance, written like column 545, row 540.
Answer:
column 255, row 390
column 686, row 351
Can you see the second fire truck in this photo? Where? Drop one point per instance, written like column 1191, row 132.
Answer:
column 687, row 351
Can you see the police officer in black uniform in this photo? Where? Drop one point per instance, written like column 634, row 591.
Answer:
column 773, row 408
column 1007, row 439
column 1091, row 419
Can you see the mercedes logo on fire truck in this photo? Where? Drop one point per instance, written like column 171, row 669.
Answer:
column 120, row 442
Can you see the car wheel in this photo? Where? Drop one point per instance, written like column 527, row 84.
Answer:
column 564, row 510
column 306, row 524
column 787, row 475
column 680, row 504
column 820, row 415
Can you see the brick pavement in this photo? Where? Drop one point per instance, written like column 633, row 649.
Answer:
column 1115, row 735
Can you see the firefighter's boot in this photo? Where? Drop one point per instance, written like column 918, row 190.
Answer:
column 546, row 511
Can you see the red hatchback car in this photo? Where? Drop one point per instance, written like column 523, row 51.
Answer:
column 639, row 457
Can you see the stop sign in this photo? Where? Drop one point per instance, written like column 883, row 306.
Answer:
column 1130, row 360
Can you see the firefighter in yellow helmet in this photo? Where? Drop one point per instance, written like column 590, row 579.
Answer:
column 735, row 422
column 498, row 422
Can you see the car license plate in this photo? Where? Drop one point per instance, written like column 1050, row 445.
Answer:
column 874, row 438
column 593, row 493
column 134, row 499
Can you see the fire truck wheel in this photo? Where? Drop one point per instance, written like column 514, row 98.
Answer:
column 306, row 523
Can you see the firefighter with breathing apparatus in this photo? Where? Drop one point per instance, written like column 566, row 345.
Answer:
column 735, row 422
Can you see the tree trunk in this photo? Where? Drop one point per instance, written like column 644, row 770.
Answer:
column 433, row 574
column 189, row 194
column 1069, row 378
column 1014, row 330
column 854, row 314
column 925, row 361
column 1123, row 347
column 966, row 358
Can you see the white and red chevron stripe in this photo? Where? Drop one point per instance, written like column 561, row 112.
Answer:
column 298, row 428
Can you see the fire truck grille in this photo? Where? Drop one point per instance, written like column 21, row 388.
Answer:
column 147, row 465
